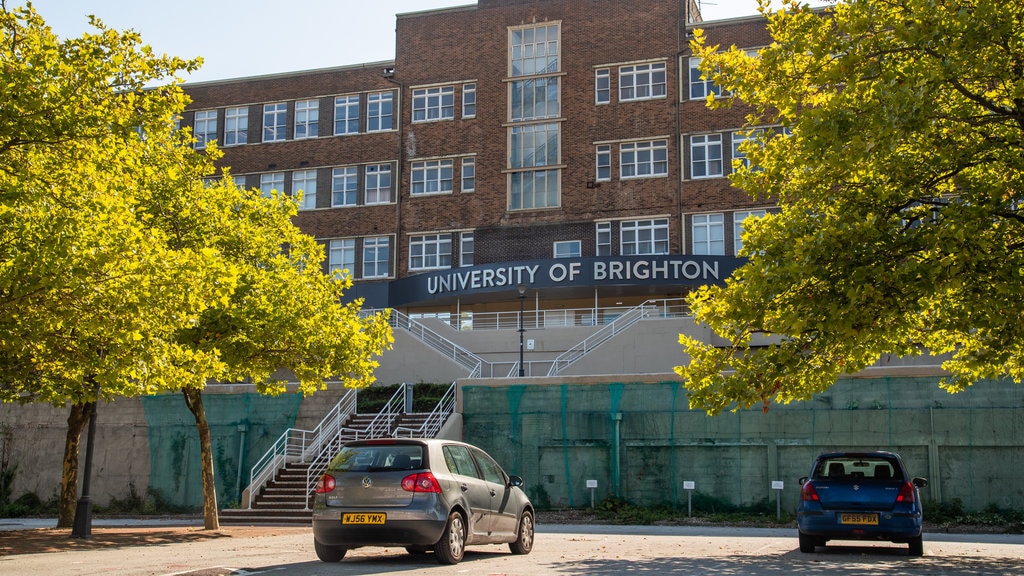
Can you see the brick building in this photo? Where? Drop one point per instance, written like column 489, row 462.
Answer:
column 561, row 145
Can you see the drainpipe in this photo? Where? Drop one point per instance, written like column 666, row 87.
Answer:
column 242, row 429
column 617, row 454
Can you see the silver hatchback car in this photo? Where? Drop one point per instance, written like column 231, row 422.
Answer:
column 422, row 494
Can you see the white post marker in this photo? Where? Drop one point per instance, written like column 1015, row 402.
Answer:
column 689, row 485
column 592, row 484
column 777, row 485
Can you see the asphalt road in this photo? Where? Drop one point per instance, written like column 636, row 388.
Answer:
column 572, row 550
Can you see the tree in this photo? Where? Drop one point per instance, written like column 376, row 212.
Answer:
column 892, row 137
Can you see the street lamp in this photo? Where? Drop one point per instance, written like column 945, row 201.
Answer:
column 522, row 298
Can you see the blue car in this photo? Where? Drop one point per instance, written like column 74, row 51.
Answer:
column 860, row 496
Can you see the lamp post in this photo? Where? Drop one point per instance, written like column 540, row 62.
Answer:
column 522, row 298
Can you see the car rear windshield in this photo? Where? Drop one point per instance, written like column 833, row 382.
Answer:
column 867, row 467
column 376, row 457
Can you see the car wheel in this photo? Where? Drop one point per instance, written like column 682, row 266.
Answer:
column 916, row 546
column 452, row 545
column 524, row 537
column 807, row 543
column 328, row 553
column 417, row 549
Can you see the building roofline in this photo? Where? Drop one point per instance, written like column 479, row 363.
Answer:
column 311, row 71
column 413, row 14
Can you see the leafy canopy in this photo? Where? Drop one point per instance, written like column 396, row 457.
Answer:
column 891, row 134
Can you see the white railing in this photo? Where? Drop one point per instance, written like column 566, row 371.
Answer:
column 474, row 365
column 297, row 445
column 556, row 318
column 435, row 420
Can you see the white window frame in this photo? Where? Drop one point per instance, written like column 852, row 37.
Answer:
column 531, row 55
column 567, row 249
column 737, row 226
column 373, row 247
column 469, row 100
column 430, row 251
column 643, row 159
column 271, row 181
column 374, row 192
column 305, row 180
column 468, row 180
column 431, row 177
column 307, row 119
column 433, row 104
column 603, row 239
column 602, row 86
column 344, row 186
column 708, row 232
column 529, row 186
column 644, row 237
column 524, row 103
column 603, row 163
column 700, row 89
column 341, row 256
column 346, row 112
column 204, row 128
column 236, row 126
column 467, row 249
column 275, row 122
column 376, row 118
column 709, row 160
column 642, row 82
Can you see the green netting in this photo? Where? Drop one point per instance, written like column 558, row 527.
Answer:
column 641, row 442
column 242, row 428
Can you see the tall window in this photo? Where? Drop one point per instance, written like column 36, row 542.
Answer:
column 643, row 159
column 701, row 88
column 431, row 177
column 275, row 122
column 205, row 129
column 468, row 100
column 706, row 156
column 379, row 111
column 644, row 237
column 304, row 181
column 466, row 249
column 604, row 163
column 604, row 238
column 534, row 50
column 709, row 234
column 433, row 103
column 236, row 126
column 378, row 183
column 344, row 186
column 346, row 115
column 738, row 218
column 271, row 181
column 376, row 257
column 602, row 86
column 642, row 81
column 307, row 119
column 536, row 98
column 468, row 174
column 430, row 251
column 534, row 145
column 534, row 189
column 341, row 257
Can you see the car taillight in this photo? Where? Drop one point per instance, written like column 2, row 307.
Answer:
column 906, row 493
column 421, row 482
column 325, row 484
column 808, row 493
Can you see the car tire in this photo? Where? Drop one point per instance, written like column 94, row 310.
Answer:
column 916, row 546
column 807, row 543
column 524, row 536
column 452, row 545
column 328, row 553
column 417, row 549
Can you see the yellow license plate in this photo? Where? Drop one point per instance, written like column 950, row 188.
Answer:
column 871, row 519
column 363, row 518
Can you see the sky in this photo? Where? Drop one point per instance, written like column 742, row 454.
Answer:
column 222, row 31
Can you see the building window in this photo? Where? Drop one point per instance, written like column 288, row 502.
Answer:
column 602, row 86
column 466, row 249
column 708, row 234
column 344, row 186
column 469, row 100
column 534, row 145
column 468, row 174
column 642, row 82
column 379, row 111
column 271, row 181
column 275, row 122
column 567, row 249
column 236, row 126
column 604, row 163
column 738, row 155
column 376, row 256
column 699, row 87
column 706, row 156
column 604, row 238
column 307, row 119
column 239, row 181
column 341, row 257
column 378, row 184
column 645, row 237
column 534, row 50
column 430, row 251
column 304, row 181
column 643, row 159
column 536, row 189
column 433, row 104
column 534, row 99
column 346, row 115
column 431, row 177
column 738, row 218
column 205, row 129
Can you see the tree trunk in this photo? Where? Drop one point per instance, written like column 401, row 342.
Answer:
column 194, row 400
column 68, row 501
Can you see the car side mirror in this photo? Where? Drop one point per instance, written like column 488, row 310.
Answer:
column 515, row 481
column 803, row 480
column 920, row 482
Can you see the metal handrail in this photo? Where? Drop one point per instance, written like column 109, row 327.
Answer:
column 435, row 420
column 471, row 362
column 610, row 330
